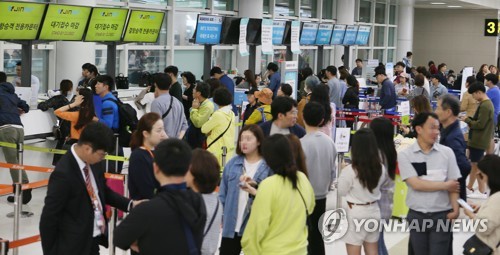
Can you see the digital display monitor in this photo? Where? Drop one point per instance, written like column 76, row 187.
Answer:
column 143, row 26
column 350, row 35
column 106, row 25
column 324, row 34
column 363, row 35
column 230, row 30
column 338, row 34
column 64, row 22
column 208, row 29
column 20, row 21
column 278, row 31
column 308, row 35
column 254, row 32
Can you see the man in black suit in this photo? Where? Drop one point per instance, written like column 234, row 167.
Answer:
column 173, row 221
column 73, row 219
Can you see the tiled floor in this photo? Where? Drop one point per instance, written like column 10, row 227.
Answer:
column 396, row 242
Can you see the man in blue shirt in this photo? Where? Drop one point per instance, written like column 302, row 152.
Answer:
column 387, row 91
column 227, row 82
column 493, row 93
column 274, row 78
column 448, row 108
column 109, row 114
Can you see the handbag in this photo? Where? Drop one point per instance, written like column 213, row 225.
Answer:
column 474, row 246
column 121, row 82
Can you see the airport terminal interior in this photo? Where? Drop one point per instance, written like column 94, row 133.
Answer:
column 462, row 34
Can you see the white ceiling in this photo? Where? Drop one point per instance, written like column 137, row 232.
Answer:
column 465, row 4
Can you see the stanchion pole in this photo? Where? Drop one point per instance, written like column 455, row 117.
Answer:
column 4, row 247
column 356, row 120
column 224, row 154
column 17, row 211
column 340, row 159
column 116, row 152
column 112, row 225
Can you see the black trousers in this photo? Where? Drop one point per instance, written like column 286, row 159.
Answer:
column 316, row 245
column 430, row 241
column 230, row 246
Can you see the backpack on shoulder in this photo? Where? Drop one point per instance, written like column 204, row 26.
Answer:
column 128, row 122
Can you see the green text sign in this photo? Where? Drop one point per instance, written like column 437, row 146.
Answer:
column 143, row 26
column 20, row 21
column 65, row 22
column 106, row 24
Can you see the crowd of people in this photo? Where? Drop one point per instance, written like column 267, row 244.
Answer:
column 190, row 183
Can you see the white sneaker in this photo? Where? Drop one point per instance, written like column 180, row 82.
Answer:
column 478, row 195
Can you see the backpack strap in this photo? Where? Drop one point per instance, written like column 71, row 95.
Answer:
column 169, row 108
column 212, row 220
column 216, row 139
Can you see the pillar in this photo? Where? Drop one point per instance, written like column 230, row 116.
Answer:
column 70, row 56
column 249, row 9
column 346, row 10
column 405, row 28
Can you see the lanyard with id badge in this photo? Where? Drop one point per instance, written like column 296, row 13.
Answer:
column 98, row 216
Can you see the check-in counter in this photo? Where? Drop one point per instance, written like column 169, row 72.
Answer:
column 38, row 123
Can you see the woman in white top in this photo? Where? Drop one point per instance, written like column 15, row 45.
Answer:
column 360, row 184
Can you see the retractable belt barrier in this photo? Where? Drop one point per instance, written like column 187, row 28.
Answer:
column 56, row 151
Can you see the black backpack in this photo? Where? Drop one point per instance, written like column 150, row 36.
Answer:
column 128, row 121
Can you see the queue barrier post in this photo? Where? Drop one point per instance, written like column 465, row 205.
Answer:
column 18, row 197
column 224, row 154
column 340, row 159
column 112, row 225
column 116, row 152
column 4, row 247
column 355, row 125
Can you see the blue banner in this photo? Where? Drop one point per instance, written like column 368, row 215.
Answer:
column 278, row 31
column 309, row 31
column 363, row 35
column 350, row 35
column 208, row 29
column 338, row 34
column 240, row 97
column 324, row 34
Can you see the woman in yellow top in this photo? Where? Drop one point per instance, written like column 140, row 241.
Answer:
column 220, row 128
column 278, row 222
column 79, row 119
column 263, row 112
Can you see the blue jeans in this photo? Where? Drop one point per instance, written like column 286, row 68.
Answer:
column 382, row 249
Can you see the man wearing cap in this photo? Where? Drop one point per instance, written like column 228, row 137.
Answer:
column 437, row 89
column 402, row 87
column 252, row 104
column 217, row 73
column 387, row 90
column 263, row 112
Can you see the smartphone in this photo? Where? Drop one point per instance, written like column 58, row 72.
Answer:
column 465, row 205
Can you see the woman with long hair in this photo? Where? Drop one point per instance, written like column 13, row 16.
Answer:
column 298, row 153
column 249, row 81
column 249, row 163
column 146, row 137
column 488, row 211
column 360, row 184
column 79, row 119
column 483, row 70
column 351, row 96
column 418, row 104
column 383, row 130
column 311, row 82
column 278, row 222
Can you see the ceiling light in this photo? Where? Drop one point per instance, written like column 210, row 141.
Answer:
column 454, row 6
column 438, row 3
